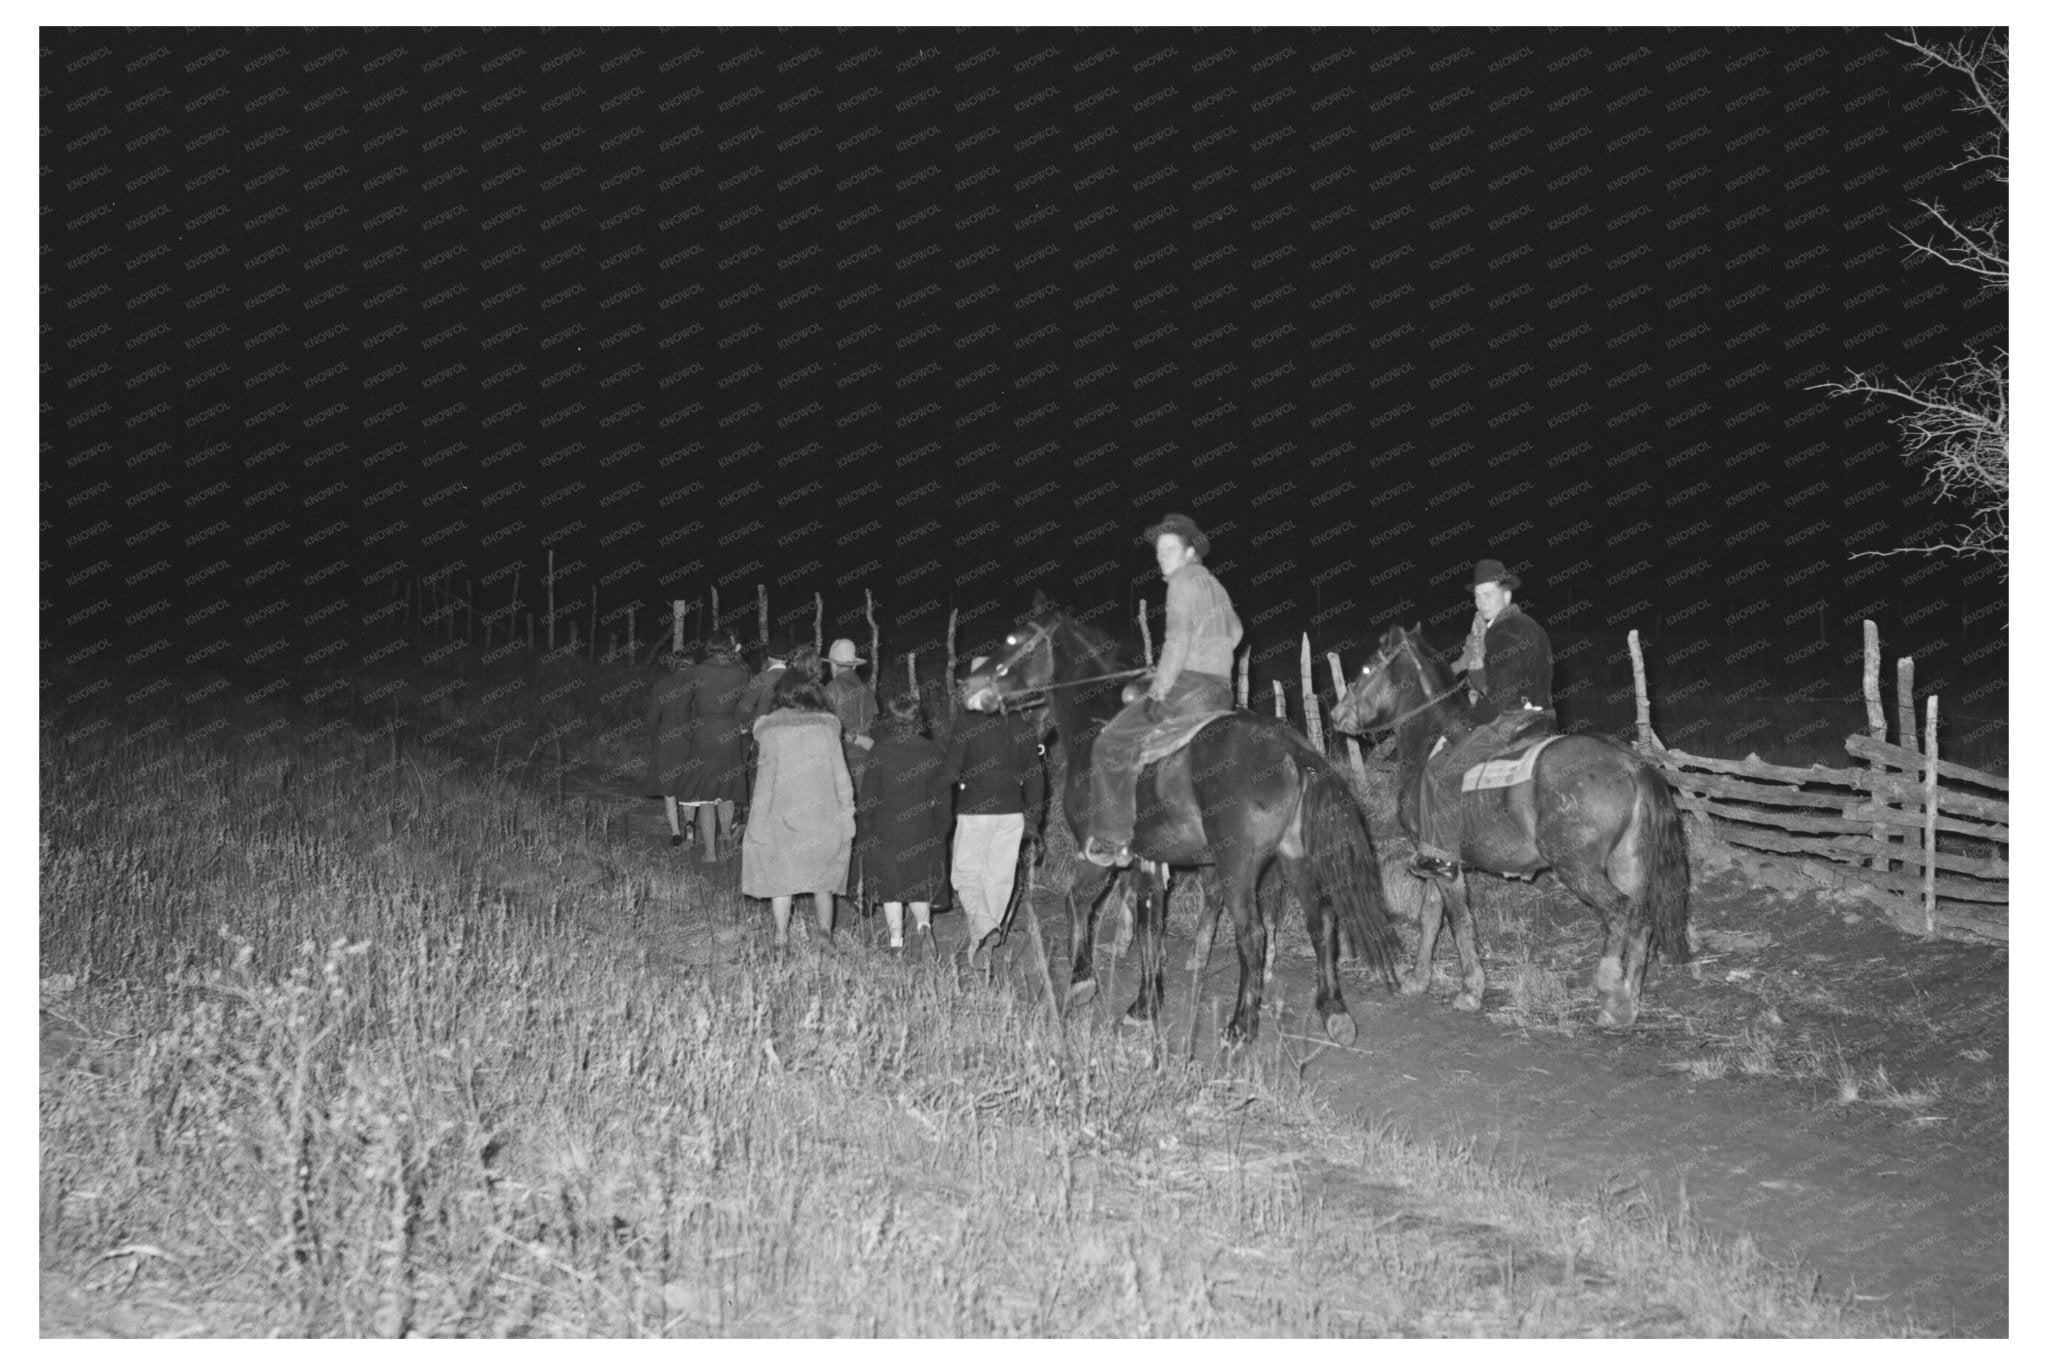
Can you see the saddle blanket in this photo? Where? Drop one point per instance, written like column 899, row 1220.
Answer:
column 1170, row 736
column 1506, row 771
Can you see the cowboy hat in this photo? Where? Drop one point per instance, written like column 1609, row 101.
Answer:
column 843, row 653
column 1182, row 525
column 1493, row 571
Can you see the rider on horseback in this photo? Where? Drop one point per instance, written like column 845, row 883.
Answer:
column 1202, row 632
column 1506, row 664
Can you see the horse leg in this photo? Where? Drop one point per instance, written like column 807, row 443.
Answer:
column 1465, row 929
column 1321, row 916
column 1241, row 889
column 1205, row 925
column 1581, row 871
column 1151, row 936
column 1084, row 895
column 1415, row 981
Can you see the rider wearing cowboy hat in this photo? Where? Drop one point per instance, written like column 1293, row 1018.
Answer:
column 1202, row 632
column 1506, row 663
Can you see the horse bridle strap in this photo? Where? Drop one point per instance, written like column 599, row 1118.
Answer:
column 1418, row 709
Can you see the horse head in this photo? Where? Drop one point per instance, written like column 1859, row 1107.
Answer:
column 1048, row 650
column 1391, row 682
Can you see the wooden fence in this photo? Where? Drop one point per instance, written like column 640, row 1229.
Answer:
column 1929, row 839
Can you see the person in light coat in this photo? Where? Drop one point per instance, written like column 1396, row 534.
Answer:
column 800, row 825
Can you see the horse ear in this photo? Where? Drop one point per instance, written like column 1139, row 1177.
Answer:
column 1039, row 601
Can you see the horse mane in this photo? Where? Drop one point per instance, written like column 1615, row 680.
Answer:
column 1431, row 672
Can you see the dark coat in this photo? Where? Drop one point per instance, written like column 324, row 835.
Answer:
column 993, row 758
column 1517, row 668
column 700, row 750
column 800, row 827
column 906, row 814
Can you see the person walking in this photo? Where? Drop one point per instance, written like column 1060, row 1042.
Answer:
column 1202, row 631
column 1506, row 663
column 993, row 767
column 800, row 826
column 904, row 816
column 854, row 703
column 712, row 779
column 669, row 723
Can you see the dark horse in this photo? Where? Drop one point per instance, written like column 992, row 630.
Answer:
column 1246, row 789
column 1594, row 813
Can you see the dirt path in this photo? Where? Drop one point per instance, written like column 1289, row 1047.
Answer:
column 1898, row 1209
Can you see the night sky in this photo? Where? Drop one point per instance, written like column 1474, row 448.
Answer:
column 951, row 315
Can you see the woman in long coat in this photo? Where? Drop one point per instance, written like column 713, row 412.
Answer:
column 800, row 825
column 713, row 775
column 905, row 815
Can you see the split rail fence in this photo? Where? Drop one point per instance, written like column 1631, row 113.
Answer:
column 1929, row 839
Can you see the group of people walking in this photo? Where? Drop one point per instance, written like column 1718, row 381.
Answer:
column 834, row 773
column 833, row 768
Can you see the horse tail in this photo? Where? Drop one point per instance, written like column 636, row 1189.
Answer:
column 1338, row 853
column 1656, row 815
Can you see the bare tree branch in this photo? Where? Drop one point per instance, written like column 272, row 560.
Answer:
column 1955, row 418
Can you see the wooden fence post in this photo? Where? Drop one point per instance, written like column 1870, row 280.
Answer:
column 1873, row 712
column 1311, row 708
column 1244, row 680
column 952, row 662
column 818, row 623
column 1645, row 738
column 677, row 606
column 1929, row 796
column 714, row 607
column 910, row 666
column 761, row 608
column 874, row 646
column 1279, row 701
column 1908, row 736
column 1350, row 741
column 1145, row 630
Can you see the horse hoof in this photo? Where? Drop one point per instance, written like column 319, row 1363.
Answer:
column 1079, row 994
column 1194, row 963
column 1413, row 983
column 1467, row 1001
column 1611, row 1017
column 1340, row 1028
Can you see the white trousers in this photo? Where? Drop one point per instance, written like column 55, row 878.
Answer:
column 985, row 867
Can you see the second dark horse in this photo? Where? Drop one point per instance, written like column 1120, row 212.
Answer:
column 1245, row 791
column 1593, row 812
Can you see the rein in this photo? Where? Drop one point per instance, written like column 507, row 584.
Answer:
column 1040, row 634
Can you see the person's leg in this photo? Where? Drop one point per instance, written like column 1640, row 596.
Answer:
column 967, row 881
column 821, row 901
column 999, row 868
column 675, row 821
column 707, row 831
column 1113, row 784
column 779, row 907
column 892, row 915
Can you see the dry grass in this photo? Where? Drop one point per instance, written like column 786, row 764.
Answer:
column 331, row 1050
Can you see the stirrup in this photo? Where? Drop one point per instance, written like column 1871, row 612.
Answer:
column 1428, row 865
column 1105, row 854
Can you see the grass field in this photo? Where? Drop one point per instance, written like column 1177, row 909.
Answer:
column 339, row 1043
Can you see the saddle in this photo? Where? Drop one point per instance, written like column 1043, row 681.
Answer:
column 1171, row 736
column 1509, row 768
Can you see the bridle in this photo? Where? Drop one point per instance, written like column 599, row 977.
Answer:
column 1382, row 659
column 1028, row 697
